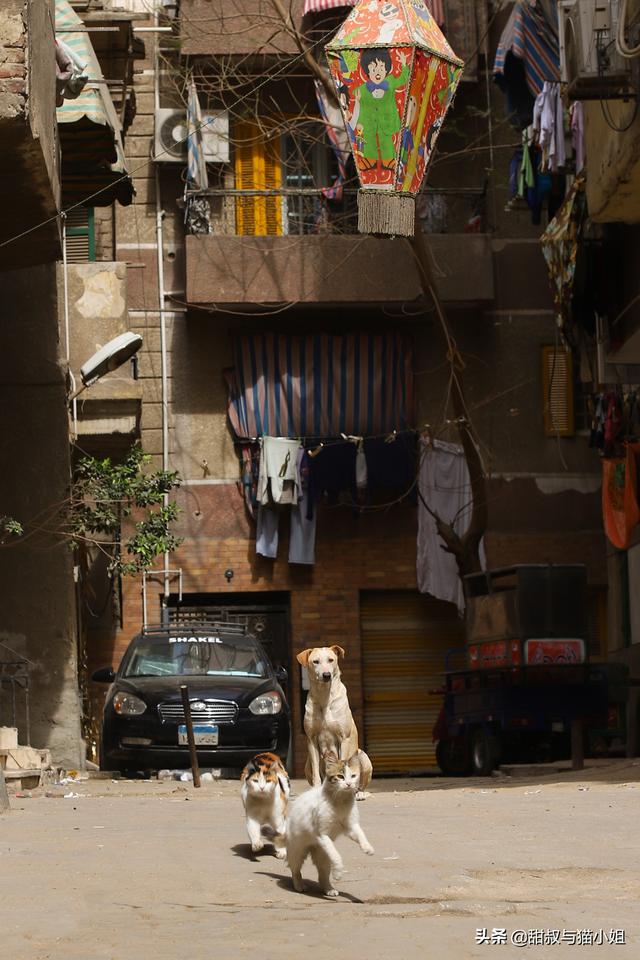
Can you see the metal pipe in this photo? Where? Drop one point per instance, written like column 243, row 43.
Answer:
column 163, row 324
column 193, row 756
column 65, row 286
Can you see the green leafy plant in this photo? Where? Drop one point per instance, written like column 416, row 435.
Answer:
column 105, row 494
column 9, row 528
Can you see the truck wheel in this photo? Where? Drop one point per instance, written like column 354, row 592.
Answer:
column 483, row 753
column 452, row 756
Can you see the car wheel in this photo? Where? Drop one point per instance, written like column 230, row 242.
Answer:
column 483, row 753
column 452, row 756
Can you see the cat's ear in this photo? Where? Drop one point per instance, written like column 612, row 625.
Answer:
column 329, row 756
column 339, row 651
column 303, row 657
column 248, row 770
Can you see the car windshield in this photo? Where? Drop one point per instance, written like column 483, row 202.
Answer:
column 197, row 657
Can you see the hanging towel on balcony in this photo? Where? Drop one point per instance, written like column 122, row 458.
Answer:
column 548, row 125
column 279, row 479
column 338, row 138
column 531, row 35
column 444, row 485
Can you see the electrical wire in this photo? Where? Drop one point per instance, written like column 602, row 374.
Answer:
column 80, row 203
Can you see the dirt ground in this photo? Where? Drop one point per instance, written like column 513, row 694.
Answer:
column 148, row 869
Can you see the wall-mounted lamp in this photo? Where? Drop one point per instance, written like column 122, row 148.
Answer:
column 229, row 575
column 106, row 359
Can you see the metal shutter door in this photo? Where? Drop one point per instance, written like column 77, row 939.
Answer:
column 405, row 637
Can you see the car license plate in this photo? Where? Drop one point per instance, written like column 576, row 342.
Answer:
column 204, row 734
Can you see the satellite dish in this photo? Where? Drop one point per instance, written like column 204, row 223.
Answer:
column 109, row 357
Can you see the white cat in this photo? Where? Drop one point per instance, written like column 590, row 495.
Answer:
column 321, row 815
column 265, row 792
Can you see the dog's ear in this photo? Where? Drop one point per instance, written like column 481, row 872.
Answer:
column 303, row 657
column 339, row 652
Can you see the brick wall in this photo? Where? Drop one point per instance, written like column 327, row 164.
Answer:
column 353, row 554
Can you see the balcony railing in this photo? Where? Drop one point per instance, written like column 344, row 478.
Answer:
column 305, row 211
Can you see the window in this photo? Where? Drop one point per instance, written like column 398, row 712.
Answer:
column 80, row 230
column 258, row 166
column 558, row 391
column 305, row 168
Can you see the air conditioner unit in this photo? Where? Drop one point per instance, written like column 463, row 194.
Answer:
column 171, row 136
column 589, row 62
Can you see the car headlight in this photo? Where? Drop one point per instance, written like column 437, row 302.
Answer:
column 128, row 705
column 266, row 703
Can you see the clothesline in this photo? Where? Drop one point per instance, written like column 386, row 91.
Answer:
column 343, row 438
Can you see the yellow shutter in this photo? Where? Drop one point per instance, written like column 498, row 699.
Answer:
column 557, row 391
column 257, row 167
column 405, row 640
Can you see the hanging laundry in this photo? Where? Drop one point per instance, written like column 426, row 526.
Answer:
column 531, row 37
column 267, row 532
column 620, row 497
column 250, row 471
column 613, row 423
column 548, row 124
column 302, row 539
column 333, row 470
column 361, row 466
column 278, row 482
column 445, row 487
column 576, row 113
column 596, row 438
column 391, row 464
column 338, row 137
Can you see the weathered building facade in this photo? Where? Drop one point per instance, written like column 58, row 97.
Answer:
column 53, row 157
column 279, row 260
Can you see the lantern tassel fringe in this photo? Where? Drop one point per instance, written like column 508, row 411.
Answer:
column 392, row 214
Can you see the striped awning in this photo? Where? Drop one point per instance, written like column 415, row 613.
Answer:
column 318, row 6
column 89, row 128
column 531, row 34
column 320, row 385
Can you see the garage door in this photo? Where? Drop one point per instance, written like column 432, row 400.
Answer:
column 405, row 637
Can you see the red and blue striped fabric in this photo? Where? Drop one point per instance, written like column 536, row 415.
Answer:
column 531, row 35
column 322, row 385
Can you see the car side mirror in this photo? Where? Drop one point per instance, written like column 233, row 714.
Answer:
column 281, row 674
column 104, row 675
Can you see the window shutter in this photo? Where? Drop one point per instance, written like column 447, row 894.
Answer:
column 273, row 181
column 557, row 391
column 257, row 167
column 81, row 247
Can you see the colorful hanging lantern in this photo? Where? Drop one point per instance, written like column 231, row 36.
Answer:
column 395, row 75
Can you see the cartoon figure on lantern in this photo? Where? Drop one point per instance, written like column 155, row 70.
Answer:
column 395, row 75
column 389, row 14
column 350, row 113
column 377, row 105
column 408, row 141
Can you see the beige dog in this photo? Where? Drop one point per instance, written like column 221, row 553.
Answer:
column 328, row 722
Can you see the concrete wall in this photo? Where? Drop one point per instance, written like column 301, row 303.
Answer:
column 28, row 133
column 38, row 612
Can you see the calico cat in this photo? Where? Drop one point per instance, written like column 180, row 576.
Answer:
column 321, row 815
column 265, row 792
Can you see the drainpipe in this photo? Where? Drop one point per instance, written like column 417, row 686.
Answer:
column 67, row 341
column 163, row 324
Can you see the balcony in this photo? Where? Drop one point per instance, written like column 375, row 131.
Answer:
column 324, row 260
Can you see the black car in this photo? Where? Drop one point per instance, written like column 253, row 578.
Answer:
column 237, row 705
